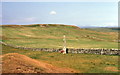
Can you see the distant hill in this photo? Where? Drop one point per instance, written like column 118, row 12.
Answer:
column 105, row 29
column 51, row 36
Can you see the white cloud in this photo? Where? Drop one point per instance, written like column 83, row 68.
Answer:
column 109, row 24
column 24, row 20
column 31, row 19
column 53, row 13
column 0, row 19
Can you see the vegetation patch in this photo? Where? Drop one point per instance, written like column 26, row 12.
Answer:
column 84, row 63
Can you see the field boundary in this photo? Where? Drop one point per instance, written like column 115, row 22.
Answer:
column 100, row 51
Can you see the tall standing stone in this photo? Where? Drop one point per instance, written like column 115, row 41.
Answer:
column 64, row 45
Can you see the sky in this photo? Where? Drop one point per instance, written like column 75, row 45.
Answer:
column 82, row 14
column 59, row 0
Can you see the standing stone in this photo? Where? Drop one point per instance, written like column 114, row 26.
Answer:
column 64, row 45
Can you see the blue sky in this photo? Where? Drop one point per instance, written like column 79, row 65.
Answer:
column 83, row 14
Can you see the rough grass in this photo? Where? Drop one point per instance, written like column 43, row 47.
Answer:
column 57, row 43
column 52, row 35
column 84, row 63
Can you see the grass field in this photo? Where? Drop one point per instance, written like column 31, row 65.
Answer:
column 51, row 37
column 84, row 63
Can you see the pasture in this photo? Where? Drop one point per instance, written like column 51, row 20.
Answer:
column 51, row 36
column 83, row 63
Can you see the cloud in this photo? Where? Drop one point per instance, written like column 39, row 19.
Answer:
column 24, row 20
column 0, row 19
column 53, row 13
column 109, row 24
column 31, row 19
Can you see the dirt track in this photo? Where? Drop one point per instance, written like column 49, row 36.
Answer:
column 17, row 63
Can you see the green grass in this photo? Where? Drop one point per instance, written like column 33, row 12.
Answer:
column 52, row 35
column 84, row 63
column 57, row 43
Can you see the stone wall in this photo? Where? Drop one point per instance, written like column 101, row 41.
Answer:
column 100, row 51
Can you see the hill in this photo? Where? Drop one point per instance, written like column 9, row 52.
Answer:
column 51, row 36
column 22, row 64
column 105, row 29
column 82, row 63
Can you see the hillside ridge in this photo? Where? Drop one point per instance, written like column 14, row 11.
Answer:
column 41, row 25
column 51, row 36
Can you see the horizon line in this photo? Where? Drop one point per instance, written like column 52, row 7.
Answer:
column 66, row 24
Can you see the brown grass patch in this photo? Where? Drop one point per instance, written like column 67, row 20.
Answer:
column 115, row 69
column 17, row 63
